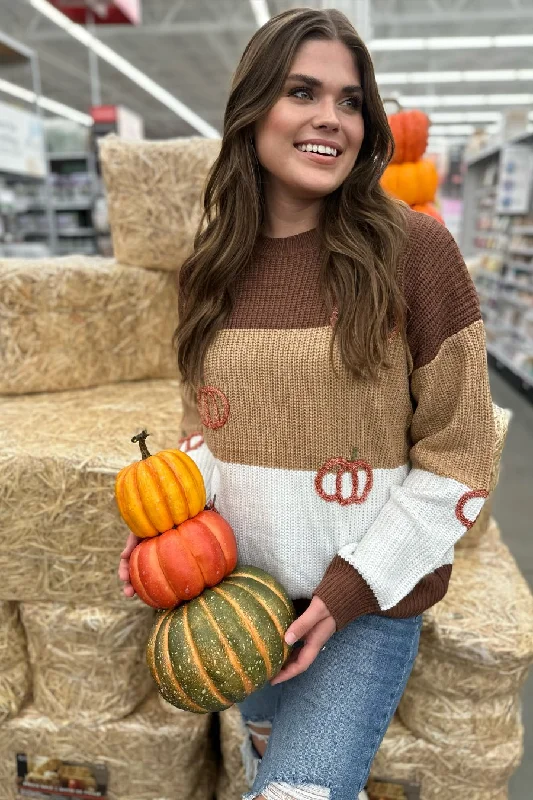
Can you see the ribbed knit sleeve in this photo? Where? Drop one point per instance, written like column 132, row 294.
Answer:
column 192, row 441
column 410, row 543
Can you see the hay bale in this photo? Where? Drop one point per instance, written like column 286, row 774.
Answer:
column 406, row 757
column 155, row 197
column 472, row 537
column 150, row 755
column 60, row 531
column 15, row 688
column 483, row 626
column 460, row 722
column 88, row 662
column 15, row 679
column 13, row 649
column 77, row 321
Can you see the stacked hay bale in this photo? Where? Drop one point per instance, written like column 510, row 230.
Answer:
column 457, row 733
column 86, row 363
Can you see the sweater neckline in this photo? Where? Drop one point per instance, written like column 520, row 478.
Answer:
column 288, row 245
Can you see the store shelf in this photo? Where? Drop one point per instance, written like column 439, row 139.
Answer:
column 71, row 232
column 521, row 378
column 80, row 156
column 525, row 230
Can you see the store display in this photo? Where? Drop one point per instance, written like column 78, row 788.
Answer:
column 177, row 565
column 499, row 245
column 414, row 183
column 15, row 681
column 410, row 130
column 409, row 177
column 82, row 322
column 88, row 662
column 154, row 192
column 60, row 531
column 150, row 753
column 251, row 610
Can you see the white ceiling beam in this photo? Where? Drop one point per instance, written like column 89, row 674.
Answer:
column 260, row 12
column 454, row 76
column 46, row 103
column 173, row 12
column 232, row 24
column 405, row 19
column 472, row 100
column 434, row 43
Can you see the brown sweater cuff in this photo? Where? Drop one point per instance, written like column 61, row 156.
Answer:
column 346, row 594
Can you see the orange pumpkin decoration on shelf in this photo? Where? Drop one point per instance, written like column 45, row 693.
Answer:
column 341, row 466
column 430, row 210
column 160, row 491
column 415, row 184
column 410, row 130
column 179, row 564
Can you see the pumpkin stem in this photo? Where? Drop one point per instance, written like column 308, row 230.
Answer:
column 210, row 506
column 355, row 453
column 141, row 438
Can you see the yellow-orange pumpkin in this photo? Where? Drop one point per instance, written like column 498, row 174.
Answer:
column 430, row 210
column 160, row 491
column 410, row 130
column 179, row 564
column 415, row 184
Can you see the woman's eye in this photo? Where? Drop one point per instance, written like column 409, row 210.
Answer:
column 355, row 101
column 294, row 92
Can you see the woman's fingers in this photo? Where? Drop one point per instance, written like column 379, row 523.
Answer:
column 124, row 564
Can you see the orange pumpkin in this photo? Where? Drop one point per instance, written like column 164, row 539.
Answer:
column 160, row 491
column 430, row 210
column 415, row 184
column 410, row 130
column 179, row 564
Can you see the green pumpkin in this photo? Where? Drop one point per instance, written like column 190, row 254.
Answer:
column 218, row 648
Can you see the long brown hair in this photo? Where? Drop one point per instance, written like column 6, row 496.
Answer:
column 361, row 228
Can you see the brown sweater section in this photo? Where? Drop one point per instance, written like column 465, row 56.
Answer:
column 441, row 298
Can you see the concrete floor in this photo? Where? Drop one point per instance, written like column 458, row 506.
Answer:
column 513, row 509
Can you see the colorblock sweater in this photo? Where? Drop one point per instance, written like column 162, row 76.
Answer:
column 353, row 490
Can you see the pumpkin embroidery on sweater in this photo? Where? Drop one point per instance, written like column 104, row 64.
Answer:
column 460, row 507
column 213, row 407
column 341, row 466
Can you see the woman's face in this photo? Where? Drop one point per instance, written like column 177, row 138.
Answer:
column 328, row 107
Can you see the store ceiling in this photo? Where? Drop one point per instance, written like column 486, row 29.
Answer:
column 191, row 47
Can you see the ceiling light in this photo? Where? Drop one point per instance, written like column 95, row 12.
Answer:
column 50, row 105
column 458, row 130
column 127, row 69
column 451, row 43
column 456, row 117
column 454, row 76
column 434, row 101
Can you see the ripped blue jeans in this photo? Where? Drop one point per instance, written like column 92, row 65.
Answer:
column 328, row 722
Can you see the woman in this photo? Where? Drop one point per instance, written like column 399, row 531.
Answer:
column 333, row 341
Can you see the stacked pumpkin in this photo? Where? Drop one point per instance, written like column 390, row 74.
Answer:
column 409, row 177
column 220, row 631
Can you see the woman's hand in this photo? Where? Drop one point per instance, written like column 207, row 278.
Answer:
column 124, row 565
column 316, row 626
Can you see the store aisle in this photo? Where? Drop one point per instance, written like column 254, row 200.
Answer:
column 513, row 509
